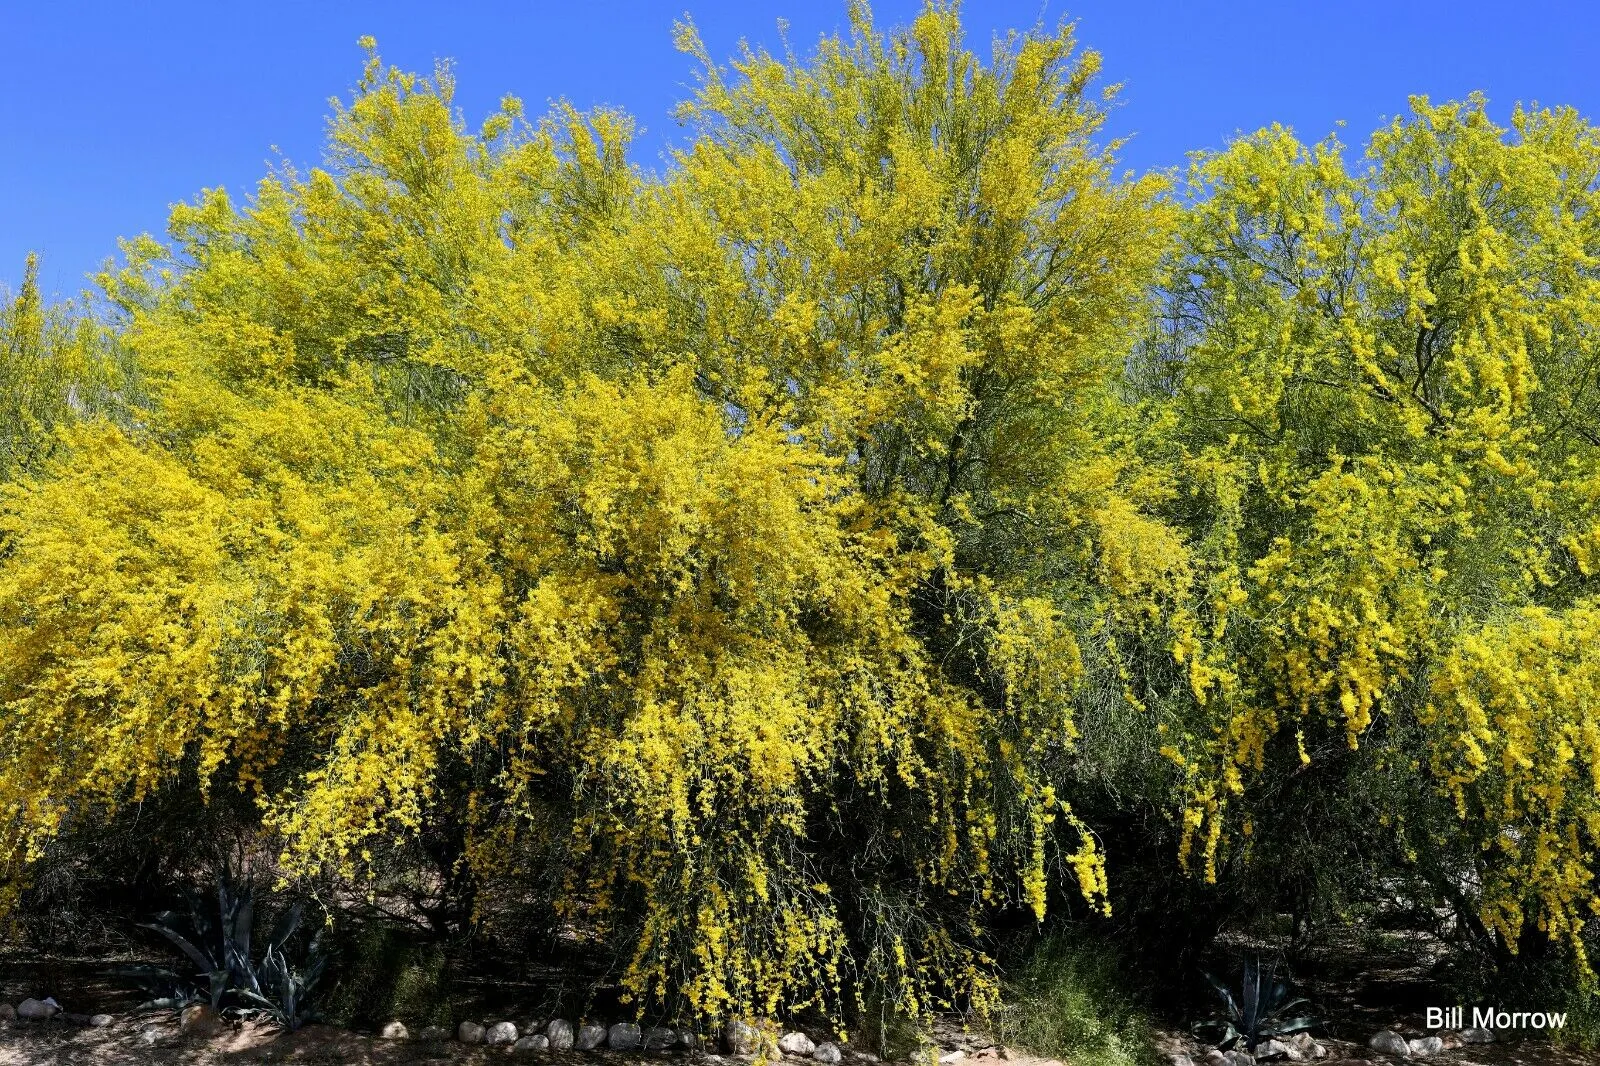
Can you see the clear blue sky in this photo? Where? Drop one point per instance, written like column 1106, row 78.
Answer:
column 109, row 112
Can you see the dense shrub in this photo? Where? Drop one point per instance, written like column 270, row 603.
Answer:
column 1072, row 998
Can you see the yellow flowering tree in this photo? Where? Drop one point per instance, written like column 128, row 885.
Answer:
column 1380, row 382
column 741, row 524
column 55, row 364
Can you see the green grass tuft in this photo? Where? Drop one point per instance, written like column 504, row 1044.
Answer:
column 1070, row 1001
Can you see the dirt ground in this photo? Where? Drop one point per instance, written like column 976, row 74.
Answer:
column 153, row 1039
column 1363, row 992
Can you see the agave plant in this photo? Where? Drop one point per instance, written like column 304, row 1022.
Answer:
column 277, row 987
column 211, row 940
column 218, row 943
column 1263, row 1008
column 163, row 987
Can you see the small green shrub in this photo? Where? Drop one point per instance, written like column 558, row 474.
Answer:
column 388, row 972
column 1070, row 1000
column 885, row 1030
column 1537, row 980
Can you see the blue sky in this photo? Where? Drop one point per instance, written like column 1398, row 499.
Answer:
column 111, row 112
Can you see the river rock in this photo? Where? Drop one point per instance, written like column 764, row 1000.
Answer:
column 1306, row 1046
column 1477, row 1036
column 471, row 1032
column 1423, row 1046
column 589, row 1037
column 199, row 1022
column 434, row 1034
column 100, row 1021
column 741, row 1038
column 623, row 1036
column 658, row 1038
column 798, row 1044
column 38, row 1010
column 1388, row 1042
column 501, row 1033
column 532, row 1042
column 560, row 1034
column 827, row 1052
column 394, row 1031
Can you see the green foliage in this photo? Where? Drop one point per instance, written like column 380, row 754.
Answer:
column 1071, row 999
column 1532, row 982
column 386, row 972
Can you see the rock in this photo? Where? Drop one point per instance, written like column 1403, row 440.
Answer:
column 533, row 1042
column 100, row 1021
column 741, row 1038
column 199, row 1022
column 560, row 1034
column 8, row 1013
column 1301, row 1042
column 38, row 1010
column 1217, row 1057
column 1388, row 1042
column 1308, row 1048
column 434, row 1034
column 501, row 1033
column 151, row 1037
column 624, row 1036
column 1277, row 1049
column 688, row 1041
column 827, row 1052
column 1423, row 1046
column 1452, row 1041
column 470, row 1033
column 796, row 1044
column 1477, row 1036
column 953, row 1056
column 1178, row 1058
column 658, row 1038
column 589, row 1037
column 394, row 1031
